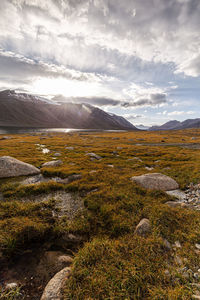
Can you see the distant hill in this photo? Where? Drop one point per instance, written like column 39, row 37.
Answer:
column 176, row 125
column 25, row 110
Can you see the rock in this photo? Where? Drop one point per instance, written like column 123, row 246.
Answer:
column 69, row 148
column 195, row 297
column 156, row 181
column 53, row 163
column 149, row 168
column 167, row 244
column 33, row 180
column 177, row 193
column 94, row 156
column 177, row 244
column 197, row 246
column 173, row 203
column 11, row 167
column 93, row 171
column 57, row 154
column 11, row 286
column 110, row 166
column 178, row 260
column 6, row 138
column 143, row 228
column 53, row 290
column 51, row 263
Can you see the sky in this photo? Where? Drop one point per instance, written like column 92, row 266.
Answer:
column 136, row 58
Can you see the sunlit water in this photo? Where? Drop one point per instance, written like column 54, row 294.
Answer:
column 40, row 130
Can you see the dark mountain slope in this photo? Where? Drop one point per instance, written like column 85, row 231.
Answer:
column 24, row 110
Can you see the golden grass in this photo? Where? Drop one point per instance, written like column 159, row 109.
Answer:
column 114, row 263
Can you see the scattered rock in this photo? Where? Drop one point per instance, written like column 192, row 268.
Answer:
column 197, row 246
column 11, row 286
column 110, row 166
column 143, row 228
column 149, row 168
column 196, row 297
column 6, row 138
column 177, row 244
column 11, row 167
column 156, row 181
column 69, row 148
column 167, row 244
column 53, row 163
column 57, row 154
column 178, row 260
column 173, row 203
column 53, row 290
column 94, row 156
column 93, row 171
column 177, row 193
column 134, row 158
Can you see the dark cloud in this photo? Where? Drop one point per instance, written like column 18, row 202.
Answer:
column 154, row 99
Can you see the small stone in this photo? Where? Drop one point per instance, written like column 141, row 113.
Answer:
column 11, row 286
column 197, row 246
column 196, row 297
column 53, row 163
column 178, row 260
column 167, row 244
column 69, row 148
column 57, row 154
column 173, row 203
column 177, row 244
column 94, row 156
column 143, row 228
column 196, row 275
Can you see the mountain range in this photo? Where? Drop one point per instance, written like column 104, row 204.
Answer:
column 29, row 111
column 177, row 125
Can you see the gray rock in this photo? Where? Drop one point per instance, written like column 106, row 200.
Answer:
column 177, row 193
column 53, row 290
column 57, row 154
column 94, row 156
column 53, row 163
column 143, row 228
column 156, row 181
column 69, row 148
column 12, row 167
column 173, row 203
column 167, row 244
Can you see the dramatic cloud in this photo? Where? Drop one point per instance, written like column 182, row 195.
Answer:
column 117, row 54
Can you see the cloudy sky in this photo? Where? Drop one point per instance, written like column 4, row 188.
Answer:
column 136, row 58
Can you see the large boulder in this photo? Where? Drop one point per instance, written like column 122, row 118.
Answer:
column 156, row 181
column 11, row 167
column 53, row 290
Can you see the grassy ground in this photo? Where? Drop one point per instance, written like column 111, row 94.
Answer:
column 113, row 263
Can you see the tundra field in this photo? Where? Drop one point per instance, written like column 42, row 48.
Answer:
column 88, row 208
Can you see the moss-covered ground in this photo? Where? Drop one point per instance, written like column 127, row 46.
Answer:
column 112, row 263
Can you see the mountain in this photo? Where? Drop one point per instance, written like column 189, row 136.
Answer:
column 176, row 125
column 24, row 110
column 142, row 127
